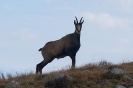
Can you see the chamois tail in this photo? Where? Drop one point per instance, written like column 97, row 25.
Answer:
column 40, row 49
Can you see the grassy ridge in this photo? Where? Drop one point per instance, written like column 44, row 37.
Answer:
column 90, row 75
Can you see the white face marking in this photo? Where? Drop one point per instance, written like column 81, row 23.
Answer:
column 78, row 28
column 78, row 32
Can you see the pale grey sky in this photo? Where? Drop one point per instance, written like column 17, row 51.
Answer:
column 27, row 25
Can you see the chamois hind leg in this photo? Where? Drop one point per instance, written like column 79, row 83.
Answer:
column 40, row 66
column 73, row 61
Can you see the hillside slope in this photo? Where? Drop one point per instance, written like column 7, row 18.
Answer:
column 88, row 76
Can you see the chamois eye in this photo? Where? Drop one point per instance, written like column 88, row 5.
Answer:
column 66, row 46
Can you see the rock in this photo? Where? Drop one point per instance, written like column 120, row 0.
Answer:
column 128, row 77
column 59, row 76
column 130, row 87
column 120, row 86
column 62, row 76
column 60, row 81
column 117, row 71
column 13, row 84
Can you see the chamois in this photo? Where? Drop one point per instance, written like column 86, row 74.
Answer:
column 66, row 46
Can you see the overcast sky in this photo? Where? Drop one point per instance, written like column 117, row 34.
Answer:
column 25, row 26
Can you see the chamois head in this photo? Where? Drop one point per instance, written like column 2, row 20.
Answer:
column 78, row 25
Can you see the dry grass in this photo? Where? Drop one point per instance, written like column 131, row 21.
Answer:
column 88, row 76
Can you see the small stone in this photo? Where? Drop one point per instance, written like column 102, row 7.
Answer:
column 128, row 77
column 59, row 81
column 61, row 76
column 120, row 86
column 13, row 84
column 117, row 71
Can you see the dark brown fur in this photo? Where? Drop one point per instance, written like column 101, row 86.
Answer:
column 66, row 46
